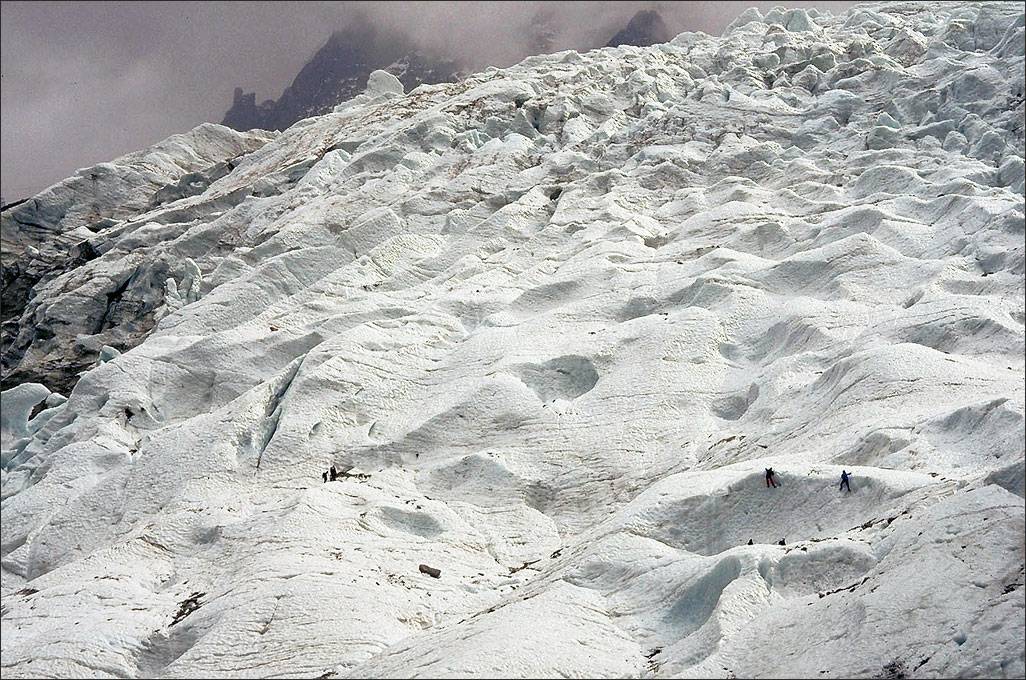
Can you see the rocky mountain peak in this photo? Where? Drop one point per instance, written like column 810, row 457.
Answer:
column 645, row 28
column 338, row 72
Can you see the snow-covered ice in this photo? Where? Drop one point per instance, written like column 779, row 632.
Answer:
column 554, row 320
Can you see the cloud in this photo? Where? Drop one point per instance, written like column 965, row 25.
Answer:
column 85, row 82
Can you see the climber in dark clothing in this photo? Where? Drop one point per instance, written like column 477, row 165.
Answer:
column 782, row 542
column 324, row 476
column 334, row 473
column 844, row 481
column 751, row 542
column 771, row 478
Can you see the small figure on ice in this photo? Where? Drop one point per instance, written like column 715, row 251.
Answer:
column 771, row 478
column 844, row 481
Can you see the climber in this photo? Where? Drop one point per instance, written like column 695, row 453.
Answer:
column 334, row 473
column 751, row 542
column 324, row 476
column 844, row 481
column 771, row 478
column 782, row 542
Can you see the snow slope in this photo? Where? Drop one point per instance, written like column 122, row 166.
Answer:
column 75, row 221
column 558, row 318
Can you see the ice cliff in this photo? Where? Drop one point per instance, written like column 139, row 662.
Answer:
column 553, row 321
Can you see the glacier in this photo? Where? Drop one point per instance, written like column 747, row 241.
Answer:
column 553, row 321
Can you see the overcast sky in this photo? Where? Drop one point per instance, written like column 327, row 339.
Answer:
column 84, row 82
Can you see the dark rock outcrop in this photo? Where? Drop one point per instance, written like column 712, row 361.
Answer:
column 339, row 70
column 246, row 115
column 336, row 73
column 71, row 225
column 645, row 28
